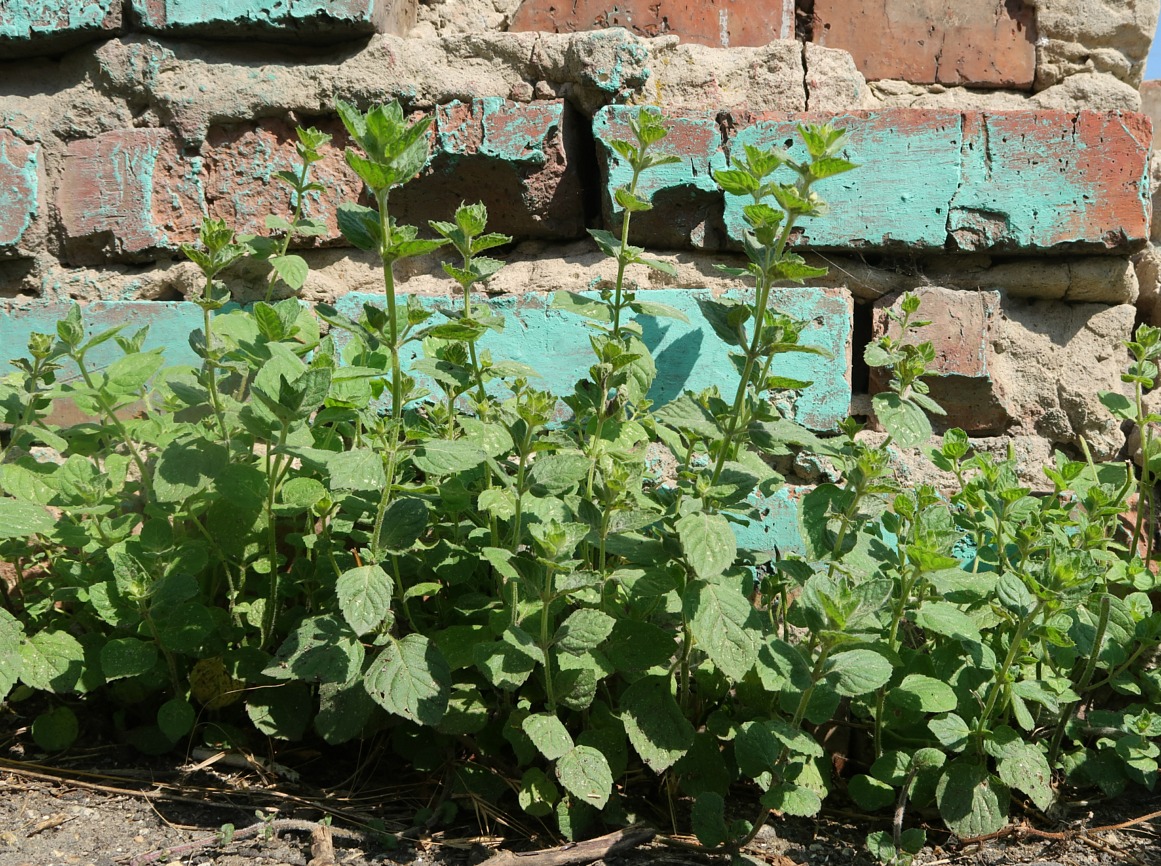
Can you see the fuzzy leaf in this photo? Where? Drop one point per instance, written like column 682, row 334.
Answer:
column 923, row 694
column 584, row 630
column 585, row 773
column 708, row 542
column 724, row 624
column 548, row 734
column 656, row 726
column 410, row 679
column 364, row 595
column 319, row 650
column 971, row 802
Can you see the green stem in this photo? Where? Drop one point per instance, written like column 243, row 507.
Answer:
column 621, row 258
column 815, row 677
column 273, row 470
column 112, row 418
column 1085, row 679
column 1000, row 683
column 392, row 324
column 545, row 638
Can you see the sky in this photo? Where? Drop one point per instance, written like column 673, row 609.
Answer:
column 1153, row 68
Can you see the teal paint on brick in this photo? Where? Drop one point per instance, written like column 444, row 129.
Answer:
column 777, row 527
column 497, row 128
column 19, row 188
column 926, row 179
column 195, row 14
column 689, row 356
column 170, row 324
column 696, row 139
column 29, row 19
column 909, row 171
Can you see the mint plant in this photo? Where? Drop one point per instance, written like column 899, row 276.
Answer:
column 295, row 538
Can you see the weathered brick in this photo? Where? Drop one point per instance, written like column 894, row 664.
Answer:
column 999, row 182
column 127, row 194
column 961, row 332
column 932, row 179
column 721, row 23
column 19, row 189
column 240, row 165
column 687, row 203
column 30, row 27
column 313, row 20
column 933, row 41
column 519, row 159
column 689, row 355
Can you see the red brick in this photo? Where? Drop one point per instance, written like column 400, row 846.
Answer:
column 127, row 194
column 19, row 184
column 933, row 41
column 239, row 180
column 519, row 159
column 720, row 23
column 961, row 333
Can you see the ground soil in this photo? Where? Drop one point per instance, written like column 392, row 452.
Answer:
column 108, row 806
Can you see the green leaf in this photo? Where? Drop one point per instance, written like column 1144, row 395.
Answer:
column 1120, row 405
column 858, row 672
column 410, row 679
column 278, row 712
column 508, row 662
column 537, row 794
column 580, row 305
column 23, row 519
column 176, row 718
column 791, row 799
column 941, row 617
column 357, row 469
column 724, row 624
column 447, row 456
column 637, row 646
column 583, row 630
column 906, row 422
column 11, row 632
column 548, row 734
column 360, row 225
column 319, row 650
column 708, row 542
column 51, row 661
column 185, row 468
column 343, row 711
column 55, row 730
column 971, row 802
column 951, row 731
column 830, row 166
column 128, row 374
column 869, row 793
column 1025, row 768
column 656, row 726
column 584, row 772
column 404, row 522
column 658, row 311
column 708, row 818
column 923, row 694
column 127, row 657
column 293, row 270
column 364, row 595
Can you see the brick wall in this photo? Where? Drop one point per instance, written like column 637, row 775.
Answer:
column 1005, row 168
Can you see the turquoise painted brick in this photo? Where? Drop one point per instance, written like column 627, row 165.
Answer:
column 170, row 324
column 687, row 201
column 777, row 527
column 928, row 179
column 310, row 19
column 689, row 356
column 19, row 189
column 29, row 27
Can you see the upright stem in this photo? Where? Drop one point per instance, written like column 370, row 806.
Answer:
column 392, row 324
column 621, row 261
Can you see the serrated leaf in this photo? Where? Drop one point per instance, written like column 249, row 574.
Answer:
column 404, row 523
column 319, row 650
column 343, row 711
column 585, row 773
column 23, row 519
column 11, row 632
column 278, row 712
column 1025, row 768
column 708, row 819
column 922, row 694
column 410, row 679
column 951, row 730
column 293, row 270
column 971, row 802
column 657, row 728
column 583, row 630
column 364, row 595
column 906, row 422
column 869, row 793
column 51, row 661
column 791, row 799
column 357, row 469
column 724, row 624
column 548, row 734
column 127, row 657
column 128, row 374
column 447, row 456
column 708, row 542
column 941, row 617
column 858, row 672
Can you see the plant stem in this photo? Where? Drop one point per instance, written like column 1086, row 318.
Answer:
column 389, row 291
